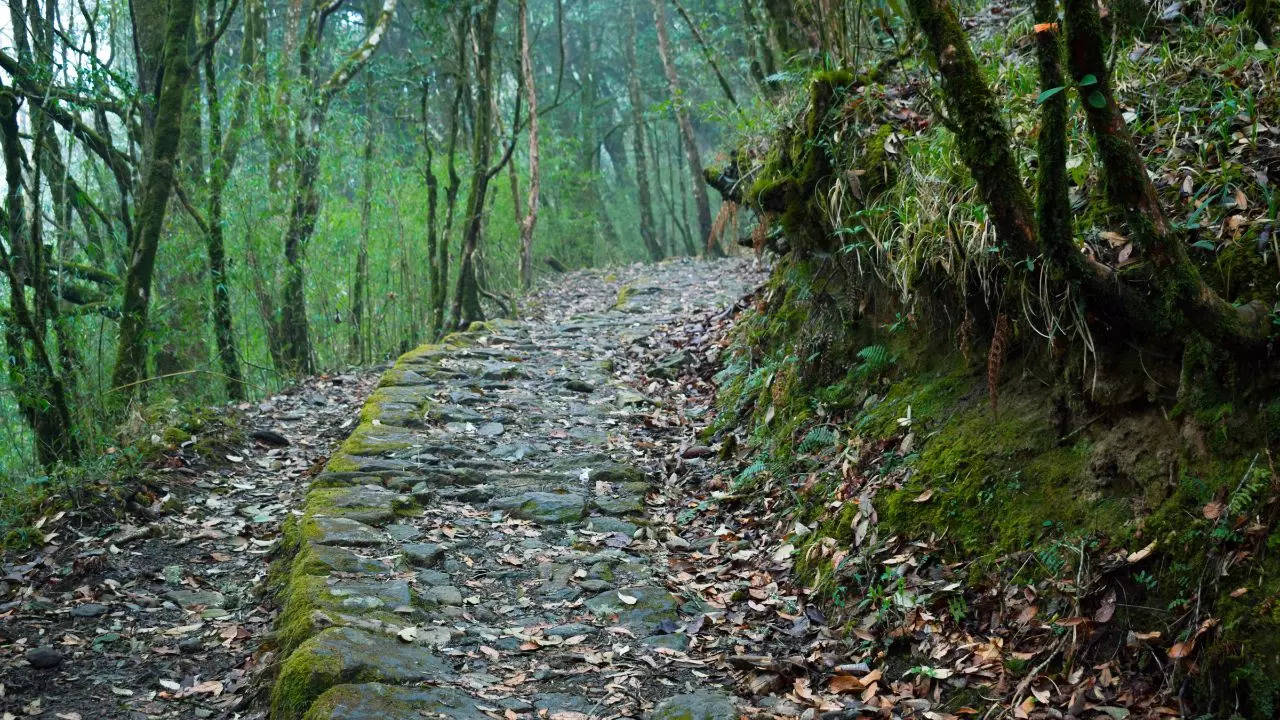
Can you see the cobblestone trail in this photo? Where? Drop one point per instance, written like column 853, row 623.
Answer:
column 480, row 546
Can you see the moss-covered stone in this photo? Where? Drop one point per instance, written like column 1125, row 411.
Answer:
column 369, row 439
column 389, row 702
column 346, row 655
column 314, row 602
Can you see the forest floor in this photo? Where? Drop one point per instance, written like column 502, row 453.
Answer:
column 575, row 554
column 162, row 617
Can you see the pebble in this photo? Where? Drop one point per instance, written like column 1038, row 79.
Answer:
column 89, row 610
column 44, row 657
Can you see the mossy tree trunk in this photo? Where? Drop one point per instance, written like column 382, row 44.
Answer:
column 1179, row 296
column 305, row 203
column 466, row 300
column 360, row 286
column 168, row 76
column 224, row 150
column 441, row 265
column 40, row 391
column 1052, row 200
column 985, row 144
column 986, row 149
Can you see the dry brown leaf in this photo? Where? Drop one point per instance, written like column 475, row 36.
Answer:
column 844, row 683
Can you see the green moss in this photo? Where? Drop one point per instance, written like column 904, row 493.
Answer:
column 384, row 701
column 421, row 354
column 369, row 439
column 624, row 294
column 306, row 674
column 341, row 462
column 173, row 436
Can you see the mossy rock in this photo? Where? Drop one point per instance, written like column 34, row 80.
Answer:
column 315, row 559
column 543, row 507
column 346, row 655
column 642, row 606
column 701, row 705
column 326, row 530
column 314, row 602
column 369, row 439
column 389, row 702
column 372, row 505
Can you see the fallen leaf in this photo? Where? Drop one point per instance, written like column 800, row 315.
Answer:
column 844, row 683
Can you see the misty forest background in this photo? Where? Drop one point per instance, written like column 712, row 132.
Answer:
column 323, row 163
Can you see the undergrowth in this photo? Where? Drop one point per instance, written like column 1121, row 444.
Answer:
column 862, row 390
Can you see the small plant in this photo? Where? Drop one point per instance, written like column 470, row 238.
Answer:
column 818, row 438
column 1146, row 580
column 875, row 360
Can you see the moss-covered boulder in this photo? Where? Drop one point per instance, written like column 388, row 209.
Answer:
column 543, row 507
column 347, row 655
column 641, row 607
column 702, row 705
column 388, row 702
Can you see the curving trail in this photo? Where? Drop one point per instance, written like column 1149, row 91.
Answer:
column 497, row 538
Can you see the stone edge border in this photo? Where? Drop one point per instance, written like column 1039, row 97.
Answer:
column 314, row 623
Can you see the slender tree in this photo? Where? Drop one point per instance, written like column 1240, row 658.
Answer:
column 643, row 197
column 466, row 300
column 530, row 220
column 160, row 32
column 687, row 137
column 317, row 96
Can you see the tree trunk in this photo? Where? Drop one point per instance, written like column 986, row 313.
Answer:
column 643, row 198
column 434, row 281
column 461, row 92
column 360, row 289
column 223, row 152
column 781, row 17
column 466, row 301
column 157, row 182
column 1182, row 299
column 686, row 128
column 1259, row 16
column 40, row 392
column 530, row 220
column 708, row 55
column 305, row 204
column 1052, row 200
column 762, row 63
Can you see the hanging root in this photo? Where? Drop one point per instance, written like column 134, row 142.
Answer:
column 728, row 212
column 761, row 233
column 964, row 334
column 996, row 357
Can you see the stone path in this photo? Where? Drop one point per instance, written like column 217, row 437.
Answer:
column 481, row 545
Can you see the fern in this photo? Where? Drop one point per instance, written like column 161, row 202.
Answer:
column 1251, row 486
column 747, row 474
column 876, row 359
column 817, row 439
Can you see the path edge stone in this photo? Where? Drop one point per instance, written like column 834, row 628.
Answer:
column 297, row 581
